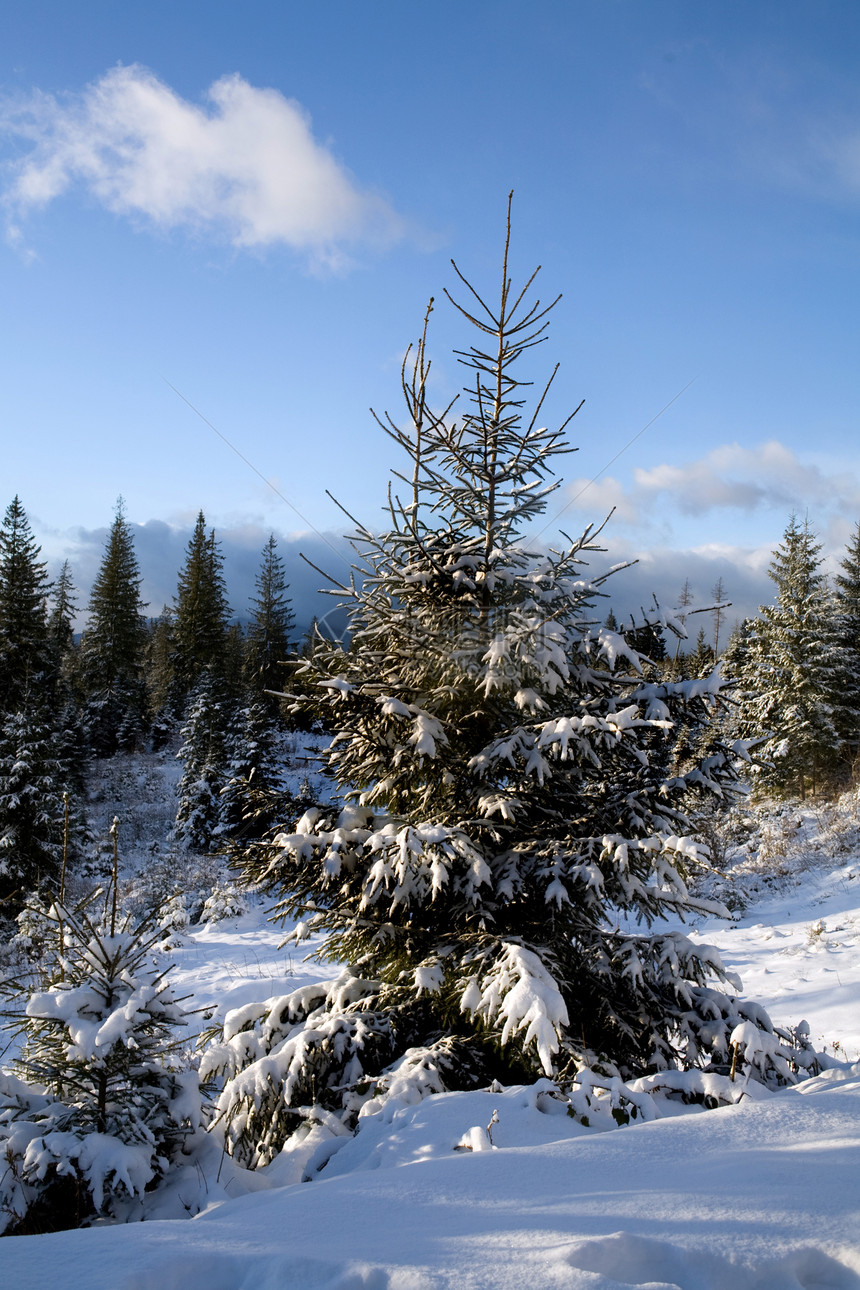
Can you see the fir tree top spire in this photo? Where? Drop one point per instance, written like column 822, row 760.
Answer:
column 24, row 588
column 200, row 624
column 791, row 671
column 116, row 628
column 268, row 639
column 478, row 478
column 112, row 648
column 61, row 621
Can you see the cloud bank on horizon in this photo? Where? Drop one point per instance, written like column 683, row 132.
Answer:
column 768, row 476
column 658, row 571
column 656, row 512
column 246, row 167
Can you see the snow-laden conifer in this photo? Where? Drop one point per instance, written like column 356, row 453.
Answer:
column 112, row 648
column 25, row 655
column 33, row 778
column 253, row 775
column 848, row 631
column 512, row 837
column 199, row 622
column 790, row 671
column 205, row 754
column 268, row 641
column 98, row 1106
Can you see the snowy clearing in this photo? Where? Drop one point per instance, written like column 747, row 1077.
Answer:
column 763, row 1195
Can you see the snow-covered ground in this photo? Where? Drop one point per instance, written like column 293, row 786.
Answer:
column 762, row 1195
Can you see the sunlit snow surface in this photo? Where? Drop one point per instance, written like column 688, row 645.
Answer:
column 798, row 953
column 764, row 1195
column 225, row 965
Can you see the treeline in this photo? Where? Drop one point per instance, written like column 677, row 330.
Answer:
column 796, row 668
column 133, row 681
column 130, row 682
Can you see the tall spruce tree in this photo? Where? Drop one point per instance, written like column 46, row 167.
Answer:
column 205, row 753
column 160, row 677
column 25, row 657
column 112, row 648
column 505, row 829
column 253, row 790
column 201, row 611
column 848, row 630
column 272, row 621
column 33, row 778
column 61, row 621
column 33, row 771
column 66, row 701
column 791, row 677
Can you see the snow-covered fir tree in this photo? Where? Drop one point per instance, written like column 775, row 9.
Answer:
column 40, row 745
column 201, row 612
column 162, row 695
column 700, row 660
column 33, row 779
column 205, row 754
column 792, row 674
column 25, row 661
column 72, row 744
column 98, row 1107
column 736, row 653
column 507, row 841
column 848, row 632
column 253, row 789
column 112, row 648
column 268, row 639
column 61, row 621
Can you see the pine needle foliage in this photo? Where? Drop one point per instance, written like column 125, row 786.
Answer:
column 792, row 674
column 268, row 640
column 201, row 612
column 33, row 779
column 112, row 648
column 98, row 1106
column 205, row 754
column 508, row 838
column 25, row 663
column 848, row 630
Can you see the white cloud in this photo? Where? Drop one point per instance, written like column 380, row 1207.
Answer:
column 734, row 477
column 662, row 572
column 602, row 496
column 246, row 166
column 730, row 477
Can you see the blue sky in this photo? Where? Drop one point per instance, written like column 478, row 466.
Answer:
column 253, row 203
